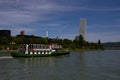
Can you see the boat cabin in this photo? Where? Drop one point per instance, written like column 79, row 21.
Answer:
column 35, row 49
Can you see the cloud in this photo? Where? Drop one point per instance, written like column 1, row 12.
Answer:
column 104, row 37
column 15, row 30
column 14, row 17
column 103, row 9
column 105, row 33
column 29, row 11
column 55, row 6
column 49, row 7
column 52, row 15
column 68, row 36
column 103, row 28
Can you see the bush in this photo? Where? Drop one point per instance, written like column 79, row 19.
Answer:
column 1, row 48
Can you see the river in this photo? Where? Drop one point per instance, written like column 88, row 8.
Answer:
column 87, row 65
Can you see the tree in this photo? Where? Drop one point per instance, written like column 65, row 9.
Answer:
column 81, row 41
column 99, row 42
column 4, row 40
column 100, row 46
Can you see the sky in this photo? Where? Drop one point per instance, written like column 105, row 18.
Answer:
column 61, row 18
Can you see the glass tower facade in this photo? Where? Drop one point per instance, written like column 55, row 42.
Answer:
column 83, row 24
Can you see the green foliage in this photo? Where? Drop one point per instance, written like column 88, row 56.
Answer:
column 80, row 43
column 13, row 47
column 1, row 48
column 4, row 40
column 77, row 43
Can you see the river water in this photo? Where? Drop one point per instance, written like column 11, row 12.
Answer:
column 88, row 65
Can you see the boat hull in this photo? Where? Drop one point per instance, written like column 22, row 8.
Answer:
column 57, row 53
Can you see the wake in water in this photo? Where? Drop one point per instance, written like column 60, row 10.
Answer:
column 5, row 57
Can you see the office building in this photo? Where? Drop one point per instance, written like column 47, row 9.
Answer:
column 5, row 33
column 83, row 25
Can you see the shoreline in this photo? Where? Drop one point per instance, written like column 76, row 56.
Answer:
column 8, row 51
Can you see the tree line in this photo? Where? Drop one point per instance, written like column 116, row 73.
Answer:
column 78, row 43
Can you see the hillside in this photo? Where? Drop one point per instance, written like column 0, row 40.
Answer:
column 112, row 45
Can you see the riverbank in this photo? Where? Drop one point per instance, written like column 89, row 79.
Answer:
column 8, row 51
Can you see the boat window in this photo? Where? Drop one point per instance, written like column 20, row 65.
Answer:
column 40, row 47
column 35, row 46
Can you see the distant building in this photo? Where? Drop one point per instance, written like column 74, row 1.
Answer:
column 46, row 34
column 83, row 25
column 32, row 35
column 5, row 33
column 22, row 33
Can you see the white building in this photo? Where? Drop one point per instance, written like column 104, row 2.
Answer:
column 83, row 25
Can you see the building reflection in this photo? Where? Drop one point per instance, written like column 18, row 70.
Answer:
column 83, row 68
column 34, row 67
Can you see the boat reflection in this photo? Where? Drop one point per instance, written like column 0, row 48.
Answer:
column 37, row 61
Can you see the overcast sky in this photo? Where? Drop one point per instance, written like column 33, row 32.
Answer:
column 62, row 18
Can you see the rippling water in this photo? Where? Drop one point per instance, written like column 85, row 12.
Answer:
column 89, row 65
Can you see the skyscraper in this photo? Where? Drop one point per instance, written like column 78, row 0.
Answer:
column 83, row 24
